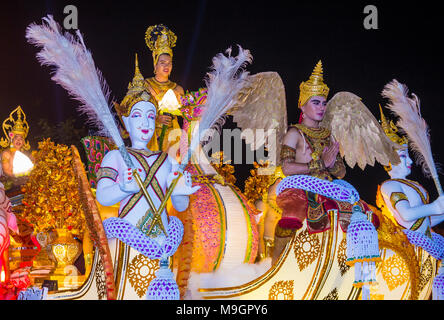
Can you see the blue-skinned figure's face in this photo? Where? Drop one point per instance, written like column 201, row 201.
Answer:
column 404, row 168
column 141, row 123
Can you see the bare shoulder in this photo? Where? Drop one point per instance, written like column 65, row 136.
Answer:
column 391, row 186
column 6, row 154
column 292, row 137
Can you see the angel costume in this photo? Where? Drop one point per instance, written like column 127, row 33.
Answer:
column 311, row 196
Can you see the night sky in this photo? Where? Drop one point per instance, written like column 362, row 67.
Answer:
column 288, row 39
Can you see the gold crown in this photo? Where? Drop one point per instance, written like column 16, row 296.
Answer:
column 13, row 126
column 136, row 93
column 391, row 130
column 160, row 40
column 314, row 86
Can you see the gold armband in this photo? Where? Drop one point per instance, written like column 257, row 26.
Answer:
column 316, row 166
column 395, row 197
column 288, row 154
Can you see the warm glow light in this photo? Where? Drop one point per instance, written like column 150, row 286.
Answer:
column 21, row 164
column 169, row 103
column 2, row 276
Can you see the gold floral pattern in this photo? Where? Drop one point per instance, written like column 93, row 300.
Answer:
column 394, row 271
column 342, row 257
column 140, row 273
column 282, row 290
column 306, row 249
column 425, row 273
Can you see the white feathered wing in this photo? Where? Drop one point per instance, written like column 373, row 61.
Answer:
column 361, row 138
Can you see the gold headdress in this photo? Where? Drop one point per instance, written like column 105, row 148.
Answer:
column 314, row 86
column 391, row 130
column 159, row 40
column 136, row 93
column 13, row 126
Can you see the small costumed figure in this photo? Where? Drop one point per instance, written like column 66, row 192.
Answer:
column 167, row 94
column 16, row 161
column 406, row 200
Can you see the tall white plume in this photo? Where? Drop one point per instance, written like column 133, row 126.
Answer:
column 75, row 71
column 223, row 82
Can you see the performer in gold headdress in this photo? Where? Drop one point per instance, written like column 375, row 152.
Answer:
column 15, row 128
column 314, row 148
column 307, row 147
column 160, row 40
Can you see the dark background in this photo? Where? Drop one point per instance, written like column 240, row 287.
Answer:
column 283, row 37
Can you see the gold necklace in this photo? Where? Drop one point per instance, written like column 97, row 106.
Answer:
column 316, row 133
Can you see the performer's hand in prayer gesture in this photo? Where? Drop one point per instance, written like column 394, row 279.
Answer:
column 329, row 154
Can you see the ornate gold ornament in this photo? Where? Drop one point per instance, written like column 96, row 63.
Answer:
column 342, row 257
column 390, row 236
column 306, row 249
column 426, row 273
column 140, row 273
column 160, row 39
column 282, row 290
column 65, row 249
column 15, row 124
column 394, row 271
column 136, row 93
column 314, row 86
column 391, row 130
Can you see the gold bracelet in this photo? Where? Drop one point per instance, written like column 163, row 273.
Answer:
column 316, row 166
column 337, row 168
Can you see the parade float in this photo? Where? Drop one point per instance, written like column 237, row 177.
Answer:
column 158, row 218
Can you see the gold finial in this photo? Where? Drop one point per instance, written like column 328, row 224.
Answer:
column 160, row 39
column 314, row 86
column 136, row 92
column 138, row 78
column 391, row 130
column 13, row 126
